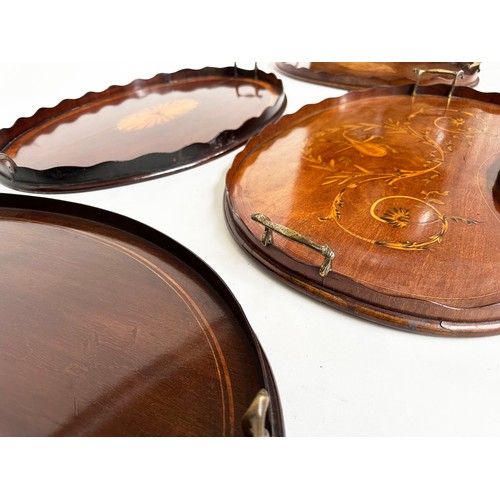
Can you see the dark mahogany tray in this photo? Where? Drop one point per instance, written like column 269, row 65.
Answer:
column 383, row 203
column 110, row 328
column 359, row 75
column 140, row 131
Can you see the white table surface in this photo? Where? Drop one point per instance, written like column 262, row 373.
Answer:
column 337, row 375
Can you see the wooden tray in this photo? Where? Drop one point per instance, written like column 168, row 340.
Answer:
column 359, row 75
column 140, row 131
column 110, row 328
column 401, row 190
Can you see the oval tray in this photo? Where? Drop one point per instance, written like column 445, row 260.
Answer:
column 402, row 188
column 110, row 328
column 359, row 75
column 139, row 131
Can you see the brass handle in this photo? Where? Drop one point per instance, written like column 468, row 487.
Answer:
column 290, row 234
column 472, row 67
column 456, row 75
column 7, row 166
column 254, row 419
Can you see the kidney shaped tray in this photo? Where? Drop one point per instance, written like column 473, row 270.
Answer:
column 139, row 131
column 110, row 328
column 384, row 203
column 359, row 75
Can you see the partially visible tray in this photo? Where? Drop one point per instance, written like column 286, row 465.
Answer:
column 110, row 328
column 146, row 129
column 383, row 202
column 358, row 75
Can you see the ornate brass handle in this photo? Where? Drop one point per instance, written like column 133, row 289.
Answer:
column 254, row 419
column 456, row 75
column 290, row 234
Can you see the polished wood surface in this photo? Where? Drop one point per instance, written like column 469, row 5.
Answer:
column 139, row 131
column 358, row 75
column 112, row 329
column 403, row 188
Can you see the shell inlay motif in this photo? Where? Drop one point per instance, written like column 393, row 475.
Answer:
column 156, row 115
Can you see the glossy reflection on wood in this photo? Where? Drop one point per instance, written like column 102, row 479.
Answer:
column 403, row 189
column 111, row 329
column 142, row 130
column 358, row 75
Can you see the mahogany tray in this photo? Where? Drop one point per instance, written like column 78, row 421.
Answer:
column 143, row 130
column 111, row 328
column 359, row 75
column 384, row 203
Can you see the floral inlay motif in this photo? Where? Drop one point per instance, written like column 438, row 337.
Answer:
column 397, row 217
column 376, row 158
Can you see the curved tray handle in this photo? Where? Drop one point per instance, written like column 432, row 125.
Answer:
column 290, row 234
column 455, row 74
column 254, row 419
column 7, row 166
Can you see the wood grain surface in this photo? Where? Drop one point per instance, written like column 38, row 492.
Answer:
column 112, row 329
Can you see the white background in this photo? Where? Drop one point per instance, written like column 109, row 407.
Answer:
column 338, row 375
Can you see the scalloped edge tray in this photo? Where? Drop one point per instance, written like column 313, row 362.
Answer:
column 351, row 81
column 110, row 173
